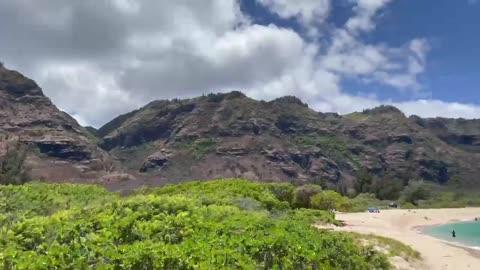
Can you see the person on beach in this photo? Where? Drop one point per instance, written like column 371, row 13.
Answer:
column 454, row 234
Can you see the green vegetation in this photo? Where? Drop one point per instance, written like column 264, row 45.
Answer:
column 199, row 148
column 283, row 191
column 134, row 156
column 33, row 200
column 216, row 98
column 418, row 194
column 392, row 247
column 13, row 170
column 415, row 192
column 447, row 197
column 303, row 195
column 331, row 200
column 219, row 97
column 362, row 201
column 450, row 199
column 385, row 188
column 331, row 147
column 357, row 116
column 225, row 224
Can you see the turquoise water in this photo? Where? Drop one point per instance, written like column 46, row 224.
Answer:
column 468, row 233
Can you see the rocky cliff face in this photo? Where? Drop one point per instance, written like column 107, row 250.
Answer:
column 230, row 135
column 61, row 149
column 461, row 133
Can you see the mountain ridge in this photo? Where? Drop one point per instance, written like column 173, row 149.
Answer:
column 229, row 135
column 61, row 148
column 301, row 143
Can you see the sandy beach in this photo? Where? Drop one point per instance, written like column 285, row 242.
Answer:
column 403, row 225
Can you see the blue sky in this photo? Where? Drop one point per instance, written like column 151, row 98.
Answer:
column 97, row 59
column 451, row 27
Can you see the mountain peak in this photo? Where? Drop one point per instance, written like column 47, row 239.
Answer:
column 287, row 100
column 29, row 117
column 17, row 85
column 383, row 109
column 218, row 97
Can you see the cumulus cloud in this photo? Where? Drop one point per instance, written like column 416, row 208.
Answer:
column 365, row 11
column 97, row 59
column 306, row 11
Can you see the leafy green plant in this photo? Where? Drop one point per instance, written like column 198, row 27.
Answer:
column 35, row 199
column 283, row 191
column 224, row 224
column 330, row 200
column 304, row 194
column 13, row 170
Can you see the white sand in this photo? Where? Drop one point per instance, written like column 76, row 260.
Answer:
column 401, row 225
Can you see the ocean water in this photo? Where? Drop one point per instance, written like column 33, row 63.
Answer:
column 467, row 233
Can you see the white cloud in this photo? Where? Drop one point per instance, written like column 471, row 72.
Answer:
column 97, row 59
column 90, row 91
column 424, row 108
column 434, row 108
column 365, row 11
column 306, row 11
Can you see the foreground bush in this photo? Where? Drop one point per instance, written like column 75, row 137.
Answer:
column 304, row 194
column 330, row 200
column 37, row 200
column 190, row 226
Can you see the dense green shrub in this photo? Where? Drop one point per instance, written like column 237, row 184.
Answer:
column 387, row 188
column 415, row 192
column 198, row 225
column 329, row 200
column 384, row 187
column 13, row 170
column 304, row 194
column 37, row 199
column 225, row 192
column 283, row 191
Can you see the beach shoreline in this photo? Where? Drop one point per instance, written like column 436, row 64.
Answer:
column 420, row 230
column 405, row 226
